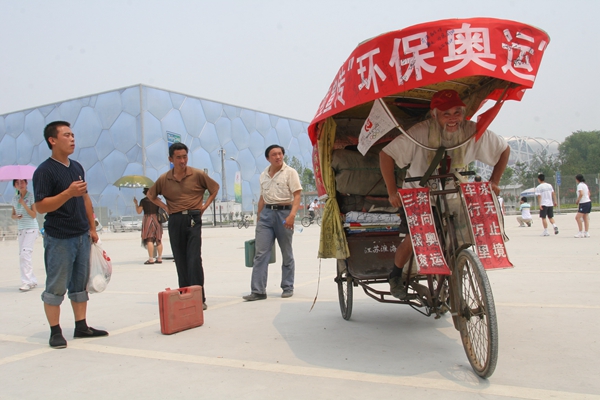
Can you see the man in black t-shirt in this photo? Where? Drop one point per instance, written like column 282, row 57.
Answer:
column 61, row 192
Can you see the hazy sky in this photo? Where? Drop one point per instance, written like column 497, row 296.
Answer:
column 275, row 56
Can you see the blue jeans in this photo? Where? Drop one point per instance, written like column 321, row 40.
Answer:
column 67, row 268
column 268, row 228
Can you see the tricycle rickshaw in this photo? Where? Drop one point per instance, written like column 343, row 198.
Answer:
column 390, row 79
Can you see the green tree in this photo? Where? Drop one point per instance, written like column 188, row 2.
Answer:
column 308, row 180
column 542, row 162
column 580, row 153
column 507, row 177
column 521, row 174
column 307, row 177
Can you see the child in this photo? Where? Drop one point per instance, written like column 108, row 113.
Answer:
column 525, row 217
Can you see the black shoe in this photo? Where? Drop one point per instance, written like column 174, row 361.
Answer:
column 88, row 333
column 287, row 293
column 255, row 296
column 57, row 341
column 398, row 288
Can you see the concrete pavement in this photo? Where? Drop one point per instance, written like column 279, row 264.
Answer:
column 547, row 308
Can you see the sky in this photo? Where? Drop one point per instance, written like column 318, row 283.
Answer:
column 275, row 56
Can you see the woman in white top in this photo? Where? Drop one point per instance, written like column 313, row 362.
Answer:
column 585, row 207
column 24, row 212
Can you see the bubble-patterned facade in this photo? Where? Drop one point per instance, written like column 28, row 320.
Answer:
column 125, row 131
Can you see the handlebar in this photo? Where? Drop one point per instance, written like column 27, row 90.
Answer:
column 418, row 178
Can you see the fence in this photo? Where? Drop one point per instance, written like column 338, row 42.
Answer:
column 566, row 191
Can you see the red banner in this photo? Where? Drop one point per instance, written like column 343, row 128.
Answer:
column 425, row 242
column 317, row 171
column 435, row 52
column 489, row 243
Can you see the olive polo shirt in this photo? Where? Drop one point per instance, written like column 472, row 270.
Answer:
column 184, row 194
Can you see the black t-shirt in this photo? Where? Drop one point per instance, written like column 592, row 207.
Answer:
column 50, row 179
column 148, row 206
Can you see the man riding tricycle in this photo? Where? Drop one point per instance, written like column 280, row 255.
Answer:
column 393, row 141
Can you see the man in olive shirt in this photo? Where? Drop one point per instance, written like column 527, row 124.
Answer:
column 183, row 188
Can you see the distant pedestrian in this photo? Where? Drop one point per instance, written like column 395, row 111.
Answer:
column 312, row 208
column 585, row 207
column 152, row 230
column 24, row 212
column 61, row 193
column 501, row 203
column 547, row 200
column 525, row 218
column 278, row 204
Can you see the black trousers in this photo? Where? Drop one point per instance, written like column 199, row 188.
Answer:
column 186, row 244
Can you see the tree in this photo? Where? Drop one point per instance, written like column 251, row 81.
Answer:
column 521, row 174
column 580, row 153
column 308, row 180
column 542, row 162
column 307, row 177
column 507, row 177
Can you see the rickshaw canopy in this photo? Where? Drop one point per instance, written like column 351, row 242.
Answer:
column 481, row 58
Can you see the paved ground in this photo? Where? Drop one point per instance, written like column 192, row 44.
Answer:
column 547, row 308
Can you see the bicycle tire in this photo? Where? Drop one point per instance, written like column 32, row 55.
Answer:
column 476, row 312
column 240, row 224
column 319, row 221
column 305, row 222
column 345, row 287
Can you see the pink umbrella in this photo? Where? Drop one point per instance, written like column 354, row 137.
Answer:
column 10, row 172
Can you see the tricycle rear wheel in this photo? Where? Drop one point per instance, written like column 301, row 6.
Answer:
column 476, row 313
column 345, row 287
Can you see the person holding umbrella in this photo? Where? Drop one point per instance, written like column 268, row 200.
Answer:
column 24, row 212
column 152, row 230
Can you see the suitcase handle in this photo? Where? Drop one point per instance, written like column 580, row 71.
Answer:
column 184, row 291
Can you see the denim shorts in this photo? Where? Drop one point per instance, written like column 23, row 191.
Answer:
column 67, row 268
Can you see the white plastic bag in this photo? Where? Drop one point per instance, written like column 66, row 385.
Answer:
column 100, row 270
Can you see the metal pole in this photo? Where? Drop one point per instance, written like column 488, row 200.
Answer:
column 223, row 176
column 557, row 195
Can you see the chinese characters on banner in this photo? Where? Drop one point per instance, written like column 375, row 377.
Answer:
column 489, row 242
column 426, row 245
column 435, row 52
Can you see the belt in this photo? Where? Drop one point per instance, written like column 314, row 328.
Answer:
column 278, row 207
column 187, row 212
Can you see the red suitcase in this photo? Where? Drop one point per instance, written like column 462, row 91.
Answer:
column 180, row 309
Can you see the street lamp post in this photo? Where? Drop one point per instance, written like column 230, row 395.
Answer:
column 223, row 175
column 241, row 191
